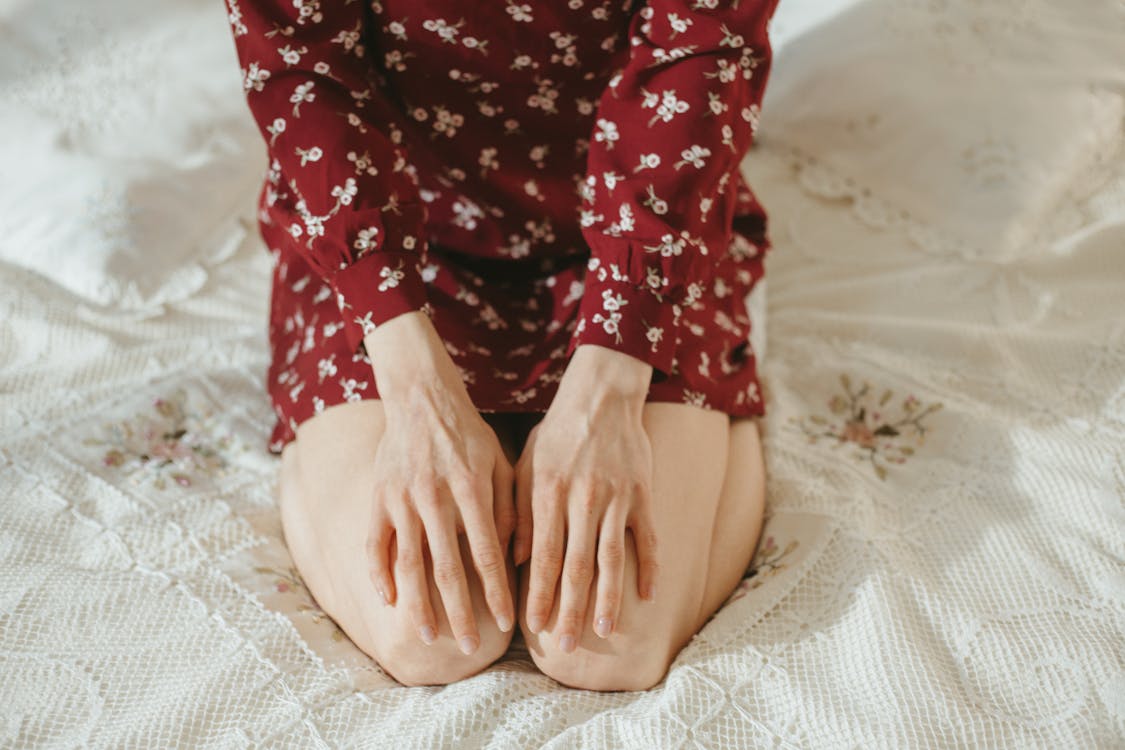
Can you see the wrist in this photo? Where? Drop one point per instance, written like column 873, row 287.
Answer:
column 406, row 353
column 596, row 369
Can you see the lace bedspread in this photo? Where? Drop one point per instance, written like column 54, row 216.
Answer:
column 944, row 560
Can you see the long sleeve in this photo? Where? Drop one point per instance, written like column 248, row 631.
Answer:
column 659, row 196
column 340, row 185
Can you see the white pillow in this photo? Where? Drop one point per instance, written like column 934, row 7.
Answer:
column 974, row 117
column 127, row 153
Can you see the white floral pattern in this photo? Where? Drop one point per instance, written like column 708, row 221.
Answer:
column 419, row 159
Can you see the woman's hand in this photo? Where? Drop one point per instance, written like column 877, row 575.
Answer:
column 584, row 477
column 441, row 472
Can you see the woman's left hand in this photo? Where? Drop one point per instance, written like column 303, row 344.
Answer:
column 584, row 476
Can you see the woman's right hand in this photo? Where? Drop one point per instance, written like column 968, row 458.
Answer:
column 441, row 472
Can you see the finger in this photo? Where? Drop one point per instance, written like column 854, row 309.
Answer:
column 522, row 548
column 476, row 504
column 378, row 552
column 546, row 552
column 611, row 569
column 503, row 507
column 440, row 522
column 644, row 537
column 584, row 506
column 410, row 572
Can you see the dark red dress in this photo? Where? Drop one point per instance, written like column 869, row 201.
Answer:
column 534, row 175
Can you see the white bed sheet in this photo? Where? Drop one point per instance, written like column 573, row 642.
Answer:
column 944, row 561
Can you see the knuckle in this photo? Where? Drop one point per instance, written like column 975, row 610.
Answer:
column 542, row 582
column 628, row 487
column 547, row 479
column 612, row 553
column 543, row 575
column 392, row 496
column 425, row 498
column 490, row 562
column 548, row 559
column 468, row 491
column 579, row 570
column 613, row 485
column 543, row 501
column 446, row 573
column 589, row 500
column 409, row 560
column 570, row 619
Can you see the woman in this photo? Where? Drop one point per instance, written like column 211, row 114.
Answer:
column 526, row 223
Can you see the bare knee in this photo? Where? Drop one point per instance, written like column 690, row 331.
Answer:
column 411, row 662
column 404, row 656
column 624, row 661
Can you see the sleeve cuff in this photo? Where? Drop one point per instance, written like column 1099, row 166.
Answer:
column 375, row 289
column 629, row 318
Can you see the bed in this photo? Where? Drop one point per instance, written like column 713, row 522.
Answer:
column 942, row 345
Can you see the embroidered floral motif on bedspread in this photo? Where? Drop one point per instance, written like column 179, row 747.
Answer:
column 173, row 445
column 768, row 561
column 881, row 430
column 289, row 581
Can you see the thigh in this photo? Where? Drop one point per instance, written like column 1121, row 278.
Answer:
column 738, row 517
column 709, row 502
column 690, row 447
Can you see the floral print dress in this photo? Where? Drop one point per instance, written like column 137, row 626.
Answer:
column 532, row 175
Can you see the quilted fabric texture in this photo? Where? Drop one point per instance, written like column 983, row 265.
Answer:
column 945, row 437
column 123, row 147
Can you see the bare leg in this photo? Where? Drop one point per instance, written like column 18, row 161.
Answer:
column 709, row 500
column 739, row 517
column 325, row 487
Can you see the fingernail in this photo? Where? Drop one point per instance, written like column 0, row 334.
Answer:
column 428, row 634
column 468, row 644
column 505, row 623
column 651, row 591
column 566, row 643
column 603, row 626
column 383, row 594
column 534, row 624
